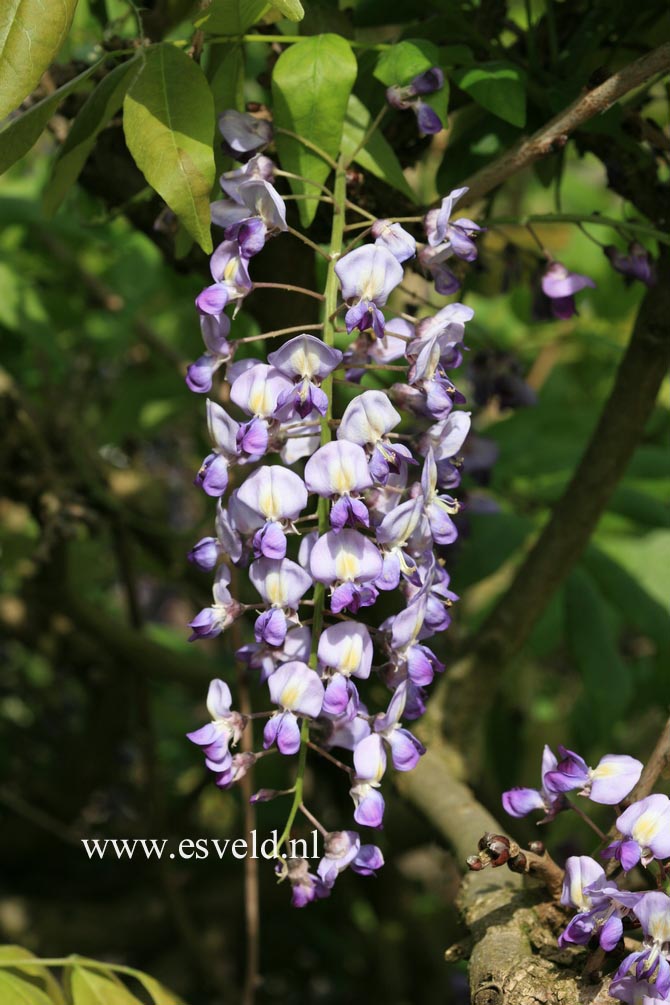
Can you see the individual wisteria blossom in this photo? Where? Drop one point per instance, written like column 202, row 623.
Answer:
column 457, row 234
column 281, row 583
column 394, row 238
column 560, row 286
column 651, row 963
column 637, row 264
column 348, row 563
column 410, row 95
column 226, row 728
column 215, row 330
column 635, row 992
column 297, row 691
column 211, row 621
column 339, row 471
column 306, row 361
column 609, row 782
column 243, row 135
column 342, row 850
column 519, row 801
column 600, row 910
column 645, row 827
column 369, row 765
column 269, row 500
column 367, row 421
column 368, row 275
column 322, row 509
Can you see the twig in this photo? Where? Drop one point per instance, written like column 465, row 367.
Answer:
column 554, row 135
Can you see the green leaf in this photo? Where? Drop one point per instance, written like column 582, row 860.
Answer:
column 20, row 134
column 168, row 121
column 593, row 643
column 405, row 60
column 227, row 78
column 15, row 990
column 31, row 34
column 499, row 87
column 90, row 987
column 160, row 994
column 231, row 17
column 40, row 975
column 101, row 105
column 311, row 84
column 291, row 9
column 377, row 156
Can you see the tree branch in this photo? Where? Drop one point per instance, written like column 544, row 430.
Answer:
column 554, row 135
column 574, row 517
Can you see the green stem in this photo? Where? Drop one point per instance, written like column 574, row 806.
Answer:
column 329, row 308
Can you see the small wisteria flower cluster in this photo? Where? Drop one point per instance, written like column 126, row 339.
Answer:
column 605, row 911
column 328, row 514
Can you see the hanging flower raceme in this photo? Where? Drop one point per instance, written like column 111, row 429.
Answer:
column 328, row 514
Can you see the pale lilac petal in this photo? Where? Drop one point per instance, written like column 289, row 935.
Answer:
column 345, row 557
column 347, row 648
column 614, row 778
column 368, row 273
column 305, row 357
column 368, row 418
column 518, row 802
column 338, row 468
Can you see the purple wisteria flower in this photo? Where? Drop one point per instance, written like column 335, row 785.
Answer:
column 226, row 728
column 651, row 963
column 645, row 827
column 266, row 504
column 394, row 238
column 349, row 563
column 367, row 275
column 306, row 887
column 367, row 421
column 609, row 782
column 211, row 621
column 342, row 850
column 305, row 360
column 635, row 265
column 369, row 765
column 282, row 584
column 297, row 691
column 339, row 471
column 457, row 234
column 598, row 902
column 409, row 96
column 560, row 285
column 243, row 135
column 519, row 802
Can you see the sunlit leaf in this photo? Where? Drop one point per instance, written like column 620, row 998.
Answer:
column 31, row 34
column 311, row 84
column 40, row 976
column 18, row 991
column 91, row 987
column 168, row 120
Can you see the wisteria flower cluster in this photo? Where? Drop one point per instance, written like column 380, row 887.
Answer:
column 328, row 514
column 604, row 910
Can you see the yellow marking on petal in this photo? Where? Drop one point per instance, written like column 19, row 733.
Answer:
column 306, row 361
column 645, row 829
column 347, row 566
column 290, row 695
column 268, row 503
column 274, row 589
column 577, row 896
column 259, row 399
column 343, row 477
column 351, row 655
